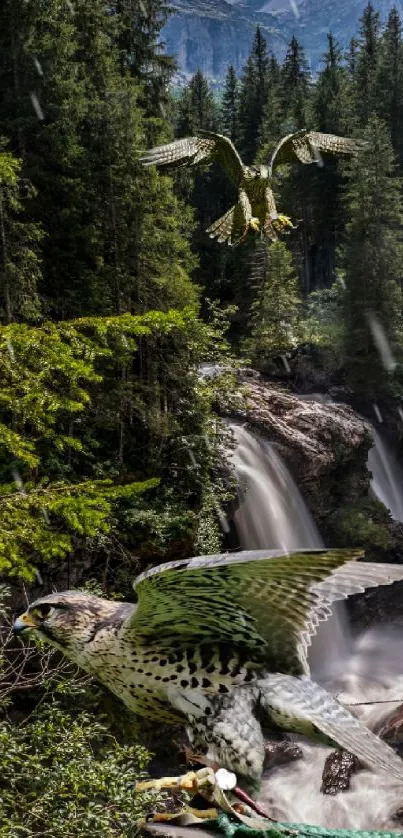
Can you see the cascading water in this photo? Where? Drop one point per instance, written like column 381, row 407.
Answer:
column 272, row 513
column 387, row 477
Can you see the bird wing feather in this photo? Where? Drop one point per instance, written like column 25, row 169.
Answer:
column 303, row 701
column 206, row 146
column 306, row 146
column 269, row 602
column 222, row 228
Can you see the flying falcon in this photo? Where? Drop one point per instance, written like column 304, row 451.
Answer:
column 255, row 208
column 212, row 639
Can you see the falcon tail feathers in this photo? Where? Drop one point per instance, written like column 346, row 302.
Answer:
column 222, row 228
column 302, row 706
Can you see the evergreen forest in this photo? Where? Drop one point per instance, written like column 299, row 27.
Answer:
column 112, row 296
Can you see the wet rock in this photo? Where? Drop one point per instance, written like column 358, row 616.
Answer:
column 337, row 772
column 280, row 752
column 324, row 445
column 392, row 730
column 315, row 436
column 398, row 816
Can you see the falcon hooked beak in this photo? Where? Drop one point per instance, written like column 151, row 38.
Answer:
column 26, row 622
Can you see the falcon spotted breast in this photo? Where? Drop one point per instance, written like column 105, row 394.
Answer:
column 255, row 208
column 212, row 639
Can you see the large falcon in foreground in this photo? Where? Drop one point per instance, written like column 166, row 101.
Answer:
column 215, row 641
column 256, row 207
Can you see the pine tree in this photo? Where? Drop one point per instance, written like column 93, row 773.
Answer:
column 330, row 98
column 197, row 107
column 142, row 51
column 230, row 105
column 294, row 188
column 99, row 209
column 252, row 97
column 352, row 56
column 41, row 105
column 70, row 432
column 331, row 112
column 295, row 80
column 207, row 188
column 372, row 260
column 275, row 311
column 367, row 64
column 19, row 246
column 390, row 81
column 138, row 221
column 270, row 129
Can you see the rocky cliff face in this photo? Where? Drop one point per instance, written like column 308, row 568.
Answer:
column 211, row 34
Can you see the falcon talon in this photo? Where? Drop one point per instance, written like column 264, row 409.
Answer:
column 186, row 782
column 157, row 817
column 157, row 785
column 169, row 817
column 254, row 224
column 203, row 814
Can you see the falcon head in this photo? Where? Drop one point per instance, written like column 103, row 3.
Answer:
column 70, row 619
column 261, row 172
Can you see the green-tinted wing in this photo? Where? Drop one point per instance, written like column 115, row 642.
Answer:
column 268, row 602
column 193, row 150
column 307, row 147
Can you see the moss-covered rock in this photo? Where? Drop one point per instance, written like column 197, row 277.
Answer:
column 365, row 522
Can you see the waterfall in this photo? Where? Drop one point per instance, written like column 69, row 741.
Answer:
column 271, row 511
column 387, row 477
column 272, row 514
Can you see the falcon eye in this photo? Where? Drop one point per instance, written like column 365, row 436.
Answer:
column 42, row 611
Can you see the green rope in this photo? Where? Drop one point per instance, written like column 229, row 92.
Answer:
column 233, row 829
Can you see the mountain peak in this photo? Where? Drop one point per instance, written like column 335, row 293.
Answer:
column 211, row 34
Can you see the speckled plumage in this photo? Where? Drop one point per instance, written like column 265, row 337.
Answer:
column 256, row 206
column 205, row 640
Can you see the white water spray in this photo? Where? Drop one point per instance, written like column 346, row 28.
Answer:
column 387, row 477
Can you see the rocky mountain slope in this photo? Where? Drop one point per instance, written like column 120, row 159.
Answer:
column 211, row 34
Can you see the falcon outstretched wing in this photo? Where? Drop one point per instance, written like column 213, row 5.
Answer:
column 306, row 703
column 266, row 601
column 307, row 146
column 206, row 146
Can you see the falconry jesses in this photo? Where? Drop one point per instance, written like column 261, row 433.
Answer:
column 255, row 208
column 215, row 641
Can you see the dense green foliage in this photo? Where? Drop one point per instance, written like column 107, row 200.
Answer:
column 373, row 262
column 68, row 776
column 73, row 405
column 64, row 772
